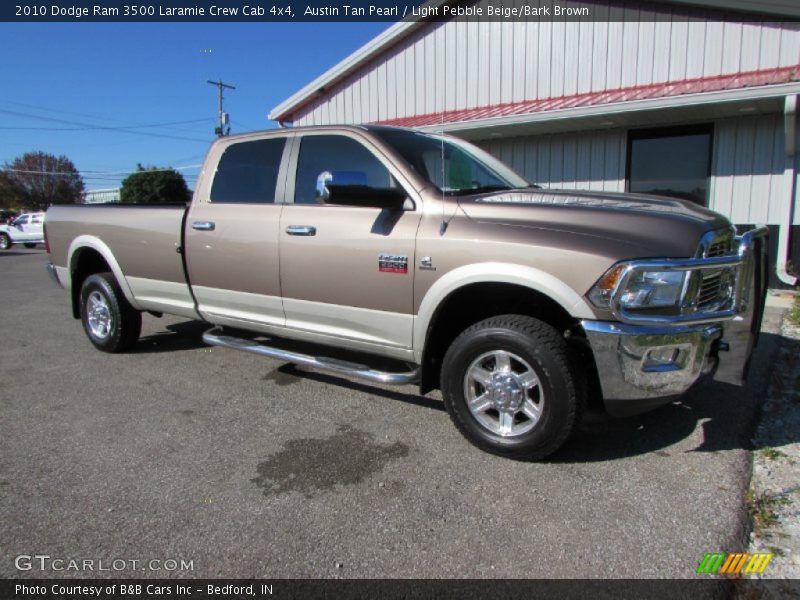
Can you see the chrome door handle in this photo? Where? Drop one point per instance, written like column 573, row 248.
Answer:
column 203, row 225
column 301, row 230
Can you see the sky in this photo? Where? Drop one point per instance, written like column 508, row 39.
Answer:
column 59, row 80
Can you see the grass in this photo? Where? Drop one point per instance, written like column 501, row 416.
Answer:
column 794, row 313
column 772, row 453
column 777, row 551
column 761, row 508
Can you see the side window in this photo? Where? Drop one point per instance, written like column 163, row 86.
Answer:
column 23, row 220
column 329, row 162
column 36, row 220
column 248, row 172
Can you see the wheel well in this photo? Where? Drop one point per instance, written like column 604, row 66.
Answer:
column 476, row 302
column 86, row 262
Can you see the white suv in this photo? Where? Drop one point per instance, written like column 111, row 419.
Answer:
column 28, row 229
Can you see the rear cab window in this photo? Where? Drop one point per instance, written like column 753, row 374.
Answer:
column 248, row 172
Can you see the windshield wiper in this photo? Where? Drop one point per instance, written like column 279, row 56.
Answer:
column 483, row 189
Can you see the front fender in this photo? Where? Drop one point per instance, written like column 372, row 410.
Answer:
column 493, row 272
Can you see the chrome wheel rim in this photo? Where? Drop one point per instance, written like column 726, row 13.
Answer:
column 98, row 315
column 503, row 393
column 4, row 243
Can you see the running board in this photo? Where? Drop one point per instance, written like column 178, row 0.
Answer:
column 214, row 338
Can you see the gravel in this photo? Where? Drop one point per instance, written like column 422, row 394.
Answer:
column 775, row 484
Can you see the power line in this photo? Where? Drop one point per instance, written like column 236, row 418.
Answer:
column 94, row 174
column 74, row 113
column 95, row 127
column 101, row 127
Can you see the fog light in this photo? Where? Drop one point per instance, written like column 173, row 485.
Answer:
column 665, row 358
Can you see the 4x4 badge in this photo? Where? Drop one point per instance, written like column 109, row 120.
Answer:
column 426, row 264
column 392, row 263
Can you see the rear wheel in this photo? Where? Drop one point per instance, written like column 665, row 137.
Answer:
column 508, row 386
column 30, row 244
column 5, row 241
column 110, row 322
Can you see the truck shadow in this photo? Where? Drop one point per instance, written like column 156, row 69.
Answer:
column 284, row 375
column 179, row 336
column 726, row 414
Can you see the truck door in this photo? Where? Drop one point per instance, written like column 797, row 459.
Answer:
column 36, row 227
column 231, row 239
column 21, row 225
column 347, row 271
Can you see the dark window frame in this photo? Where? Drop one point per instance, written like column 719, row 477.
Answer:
column 652, row 133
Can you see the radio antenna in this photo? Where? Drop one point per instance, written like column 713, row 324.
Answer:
column 443, row 224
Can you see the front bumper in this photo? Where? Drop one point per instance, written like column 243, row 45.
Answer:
column 643, row 364
column 642, row 367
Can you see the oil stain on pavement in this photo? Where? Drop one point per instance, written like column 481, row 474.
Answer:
column 312, row 466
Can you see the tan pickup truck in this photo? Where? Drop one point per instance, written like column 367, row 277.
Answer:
column 418, row 258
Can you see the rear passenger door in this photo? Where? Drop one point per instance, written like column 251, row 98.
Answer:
column 35, row 227
column 347, row 272
column 231, row 241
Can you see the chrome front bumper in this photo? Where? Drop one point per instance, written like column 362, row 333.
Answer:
column 645, row 362
column 642, row 367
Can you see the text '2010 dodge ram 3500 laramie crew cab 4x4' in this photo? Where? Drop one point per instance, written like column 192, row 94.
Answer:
column 520, row 303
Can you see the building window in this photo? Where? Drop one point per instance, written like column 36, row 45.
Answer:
column 672, row 161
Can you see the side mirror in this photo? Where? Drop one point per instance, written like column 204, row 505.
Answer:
column 350, row 188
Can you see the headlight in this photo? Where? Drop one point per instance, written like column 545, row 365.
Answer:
column 651, row 289
column 642, row 289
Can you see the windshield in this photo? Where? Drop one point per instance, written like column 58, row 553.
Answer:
column 465, row 169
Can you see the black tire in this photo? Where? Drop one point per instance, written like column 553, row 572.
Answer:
column 30, row 244
column 5, row 241
column 535, row 352
column 124, row 323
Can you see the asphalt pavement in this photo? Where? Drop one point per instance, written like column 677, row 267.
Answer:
column 247, row 467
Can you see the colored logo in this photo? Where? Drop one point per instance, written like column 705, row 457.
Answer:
column 734, row 563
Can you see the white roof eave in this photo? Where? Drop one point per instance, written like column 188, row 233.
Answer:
column 358, row 58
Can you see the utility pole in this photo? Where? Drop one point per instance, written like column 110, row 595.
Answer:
column 224, row 127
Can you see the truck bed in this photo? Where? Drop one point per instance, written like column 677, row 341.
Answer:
column 144, row 240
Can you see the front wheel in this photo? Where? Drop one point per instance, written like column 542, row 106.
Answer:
column 508, row 386
column 5, row 241
column 110, row 322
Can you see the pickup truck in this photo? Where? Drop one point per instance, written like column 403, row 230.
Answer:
column 435, row 264
column 26, row 229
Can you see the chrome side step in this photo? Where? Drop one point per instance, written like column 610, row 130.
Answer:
column 213, row 337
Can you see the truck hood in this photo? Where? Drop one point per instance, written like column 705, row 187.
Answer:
column 656, row 226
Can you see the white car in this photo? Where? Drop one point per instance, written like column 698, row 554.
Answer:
column 27, row 229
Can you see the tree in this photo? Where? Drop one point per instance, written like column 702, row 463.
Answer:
column 11, row 194
column 154, row 186
column 38, row 179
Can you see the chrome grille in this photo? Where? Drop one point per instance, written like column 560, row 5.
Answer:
column 717, row 243
column 720, row 247
column 714, row 289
